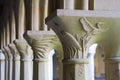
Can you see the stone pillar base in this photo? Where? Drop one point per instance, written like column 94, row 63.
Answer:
column 75, row 70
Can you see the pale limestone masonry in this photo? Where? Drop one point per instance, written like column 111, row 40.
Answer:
column 2, row 66
column 77, row 35
column 26, row 59
column 10, row 62
column 43, row 46
column 6, row 64
column 75, row 25
column 16, row 62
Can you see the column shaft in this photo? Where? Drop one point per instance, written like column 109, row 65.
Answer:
column 12, row 22
column 4, row 36
column 28, row 14
column 42, row 54
column 38, row 68
column 82, row 4
column 6, row 64
column 2, row 66
column 10, row 63
column 26, row 72
column 46, row 67
column 35, row 14
column 16, row 70
column 19, row 17
column 10, row 69
column 43, row 13
column 85, row 4
column 16, row 62
column 26, row 69
column 7, row 33
column 68, row 4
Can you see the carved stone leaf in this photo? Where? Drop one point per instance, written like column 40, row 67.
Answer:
column 7, row 50
column 14, row 51
column 42, row 46
column 23, row 48
column 71, row 46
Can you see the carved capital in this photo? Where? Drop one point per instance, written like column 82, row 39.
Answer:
column 77, row 37
column 9, row 54
column 4, row 52
column 24, row 49
column 41, row 44
column 14, row 51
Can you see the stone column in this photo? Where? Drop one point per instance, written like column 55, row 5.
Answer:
column 69, row 4
column 26, row 69
column 112, row 68
column 7, row 31
column 43, row 13
column 10, row 63
column 85, row 4
column 13, row 29
column 16, row 62
column 75, row 40
column 82, row 4
column 92, row 51
column 60, row 66
column 19, row 17
column 4, row 36
column 6, row 64
column 35, row 14
column 42, row 45
column 12, row 21
column 28, row 14
column 2, row 66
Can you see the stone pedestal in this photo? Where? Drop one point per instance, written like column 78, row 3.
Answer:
column 10, row 63
column 112, row 68
column 2, row 66
column 26, row 54
column 16, row 62
column 75, row 70
column 42, row 44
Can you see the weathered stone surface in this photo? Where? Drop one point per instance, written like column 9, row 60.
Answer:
column 14, row 51
column 78, row 30
column 24, row 49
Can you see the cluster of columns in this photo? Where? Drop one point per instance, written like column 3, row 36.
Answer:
column 29, row 57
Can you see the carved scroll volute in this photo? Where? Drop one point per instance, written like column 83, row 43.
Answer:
column 24, row 49
column 7, row 50
column 41, row 45
column 14, row 51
